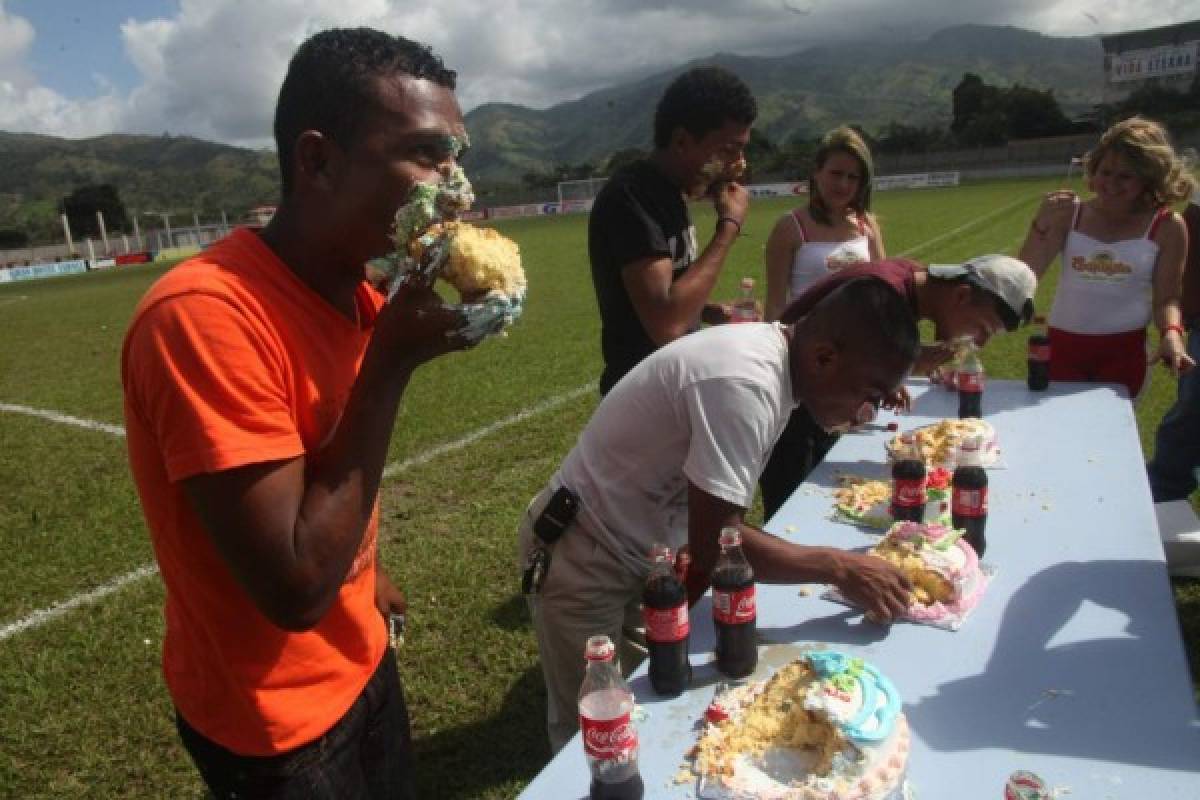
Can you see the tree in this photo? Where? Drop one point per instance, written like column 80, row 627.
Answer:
column 971, row 97
column 622, row 158
column 81, row 206
column 1032, row 113
column 897, row 137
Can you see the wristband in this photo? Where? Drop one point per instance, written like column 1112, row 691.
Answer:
column 1174, row 326
column 736, row 224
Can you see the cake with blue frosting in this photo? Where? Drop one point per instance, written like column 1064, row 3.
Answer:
column 825, row 726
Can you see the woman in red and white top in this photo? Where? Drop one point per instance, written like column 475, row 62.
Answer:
column 1122, row 253
column 835, row 228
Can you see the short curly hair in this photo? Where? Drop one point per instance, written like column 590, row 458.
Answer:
column 700, row 101
column 1145, row 145
column 330, row 83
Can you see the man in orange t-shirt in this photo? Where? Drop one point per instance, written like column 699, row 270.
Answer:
column 262, row 380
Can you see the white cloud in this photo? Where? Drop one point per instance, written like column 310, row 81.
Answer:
column 213, row 70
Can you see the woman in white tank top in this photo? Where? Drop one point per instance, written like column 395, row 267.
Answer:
column 833, row 230
column 1122, row 253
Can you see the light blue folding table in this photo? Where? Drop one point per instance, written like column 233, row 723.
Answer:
column 1071, row 667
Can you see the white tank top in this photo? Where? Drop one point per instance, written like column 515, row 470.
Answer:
column 1105, row 287
column 816, row 260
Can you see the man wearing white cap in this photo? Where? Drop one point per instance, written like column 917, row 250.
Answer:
column 978, row 299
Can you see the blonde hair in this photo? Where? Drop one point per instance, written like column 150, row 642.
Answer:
column 841, row 140
column 1145, row 145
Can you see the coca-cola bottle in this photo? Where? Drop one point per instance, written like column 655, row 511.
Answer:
column 1039, row 362
column 969, row 493
column 665, row 613
column 908, row 482
column 745, row 307
column 735, row 611
column 610, row 740
column 970, row 386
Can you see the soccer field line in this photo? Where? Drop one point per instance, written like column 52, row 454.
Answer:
column 66, row 419
column 964, row 227
column 44, row 615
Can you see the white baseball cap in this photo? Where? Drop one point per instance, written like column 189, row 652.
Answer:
column 1009, row 279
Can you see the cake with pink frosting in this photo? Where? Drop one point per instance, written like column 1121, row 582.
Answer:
column 942, row 567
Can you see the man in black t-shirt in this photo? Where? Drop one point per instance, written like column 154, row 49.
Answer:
column 652, row 283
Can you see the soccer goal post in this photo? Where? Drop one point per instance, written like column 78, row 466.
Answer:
column 585, row 189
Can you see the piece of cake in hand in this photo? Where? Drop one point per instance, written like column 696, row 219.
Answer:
column 942, row 567
column 822, row 727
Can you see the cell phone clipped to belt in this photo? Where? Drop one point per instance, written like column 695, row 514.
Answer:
column 555, row 518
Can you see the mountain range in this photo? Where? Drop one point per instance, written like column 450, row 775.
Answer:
column 801, row 94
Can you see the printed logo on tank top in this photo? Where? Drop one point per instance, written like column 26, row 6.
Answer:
column 841, row 258
column 1102, row 266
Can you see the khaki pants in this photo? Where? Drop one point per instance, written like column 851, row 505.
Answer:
column 586, row 592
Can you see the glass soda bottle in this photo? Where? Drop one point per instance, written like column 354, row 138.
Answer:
column 908, row 482
column 745, row 308
column 735, row 610
column 665, row 613
column 969, row 493
column 610, row 741
column 970, row 386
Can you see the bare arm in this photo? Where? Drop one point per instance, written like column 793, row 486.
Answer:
column 1168, row 294
column 876, row 585
column 666, row 309
column 779, row 254
column 289, row 530
column 1048, row 231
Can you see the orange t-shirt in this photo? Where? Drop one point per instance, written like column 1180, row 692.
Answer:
column 232, row 360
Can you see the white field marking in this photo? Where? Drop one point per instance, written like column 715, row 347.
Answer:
column 964, row 227
column 546, row 405
column 44, row 615
column 66, row 419
column 8, row 301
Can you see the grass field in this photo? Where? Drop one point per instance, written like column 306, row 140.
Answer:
column 83, row 710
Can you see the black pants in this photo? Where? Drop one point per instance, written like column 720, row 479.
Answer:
column 366, row 754
column 800, row 448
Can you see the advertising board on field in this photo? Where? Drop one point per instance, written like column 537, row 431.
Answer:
column 37, row 271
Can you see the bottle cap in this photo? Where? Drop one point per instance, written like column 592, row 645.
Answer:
column 599, row 648
column 730, row 537
column 747, row 283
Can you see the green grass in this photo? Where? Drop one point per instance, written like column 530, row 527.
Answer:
column 84, row 709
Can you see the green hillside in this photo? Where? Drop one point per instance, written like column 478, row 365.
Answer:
column 805, row 93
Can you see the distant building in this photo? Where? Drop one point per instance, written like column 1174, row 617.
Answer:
column 1164, row 56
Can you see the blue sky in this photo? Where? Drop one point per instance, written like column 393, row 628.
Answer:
column 212, row 68
column 79, row 39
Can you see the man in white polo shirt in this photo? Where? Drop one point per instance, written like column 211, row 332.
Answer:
column 673, row 454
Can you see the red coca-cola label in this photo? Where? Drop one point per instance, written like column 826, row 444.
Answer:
column 969, row 502
column 608, row 739
column 735, row 608
column 908, row 493
column 970, row 381
column 1039, row 352
column 666, row 624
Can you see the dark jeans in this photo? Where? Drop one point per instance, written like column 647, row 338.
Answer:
column 802, row 445
column 365, row 755
column 1177, row 443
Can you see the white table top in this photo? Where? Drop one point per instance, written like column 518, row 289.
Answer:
column 1071, row 667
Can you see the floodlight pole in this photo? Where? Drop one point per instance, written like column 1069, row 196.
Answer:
column 67, row 233
column 103, row 230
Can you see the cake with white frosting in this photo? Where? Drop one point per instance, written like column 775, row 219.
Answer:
column 827, row 726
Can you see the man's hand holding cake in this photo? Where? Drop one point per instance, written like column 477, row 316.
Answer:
column 483, row 265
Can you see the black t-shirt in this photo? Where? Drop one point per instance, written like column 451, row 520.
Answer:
column 638, row 214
